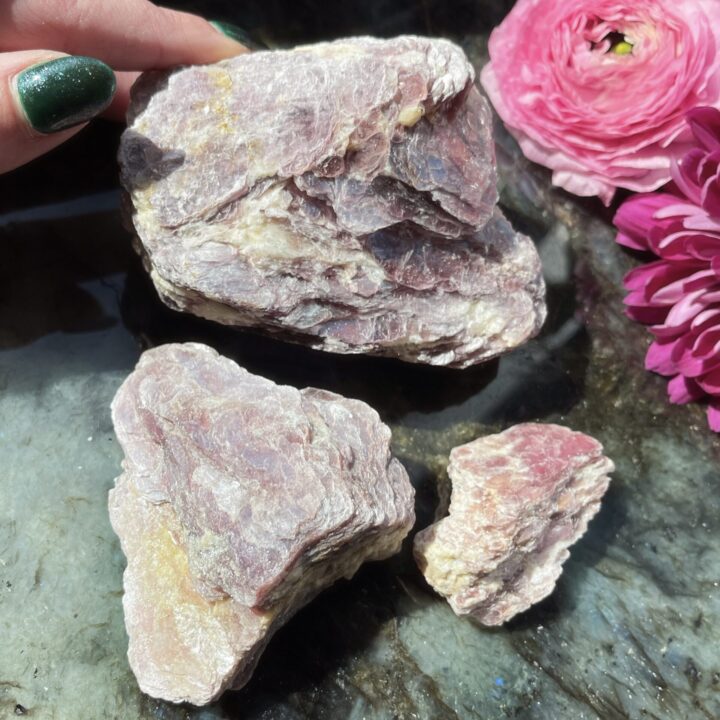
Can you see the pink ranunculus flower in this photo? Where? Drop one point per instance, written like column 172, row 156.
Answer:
column 597, row 90
column 678, row 294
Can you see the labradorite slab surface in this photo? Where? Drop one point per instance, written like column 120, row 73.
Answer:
column 633, row 627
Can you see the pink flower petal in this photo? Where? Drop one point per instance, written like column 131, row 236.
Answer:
column 702, row 247
column 705, row 125
column 686, row 295
column 698, row 352
column 657, row 275
column 715, row 264
column 711, row 196
column 701, row 221
column 713, row 414
column 630, row 242
column 683, row 313
column 601, row 120
column 636, row 216
column 678, row 209
column 684, row 174
column 681, row 390
column 658, row 359
column 647, row 314
column 710, row 383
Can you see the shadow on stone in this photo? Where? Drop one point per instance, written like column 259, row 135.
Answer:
column 392, row 387
column 309, row 662
column 46, row 269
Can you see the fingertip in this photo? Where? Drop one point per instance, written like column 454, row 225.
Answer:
column 117, row 109
column 62, row 92
column 19, row 140
column 236, row 33
column 127, row 35
column 190, row 39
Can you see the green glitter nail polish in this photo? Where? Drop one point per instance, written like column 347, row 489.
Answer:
column 237, row 34
column 60, row 93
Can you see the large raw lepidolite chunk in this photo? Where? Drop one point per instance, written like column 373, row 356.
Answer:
column 341, row 195
column 519, row 500
column 240, row 500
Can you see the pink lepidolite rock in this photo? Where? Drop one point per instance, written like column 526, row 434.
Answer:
column 519, row 500
column 342, row 195
column 240, row 500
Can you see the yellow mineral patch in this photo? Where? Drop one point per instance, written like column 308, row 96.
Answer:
column 174, row 590
column 409, row 116
column 445, row 570
column 170, row 559
column 220, row 78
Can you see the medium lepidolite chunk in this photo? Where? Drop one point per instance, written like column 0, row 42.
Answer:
column 240, row 500
column 342, row 195
column 519, row 500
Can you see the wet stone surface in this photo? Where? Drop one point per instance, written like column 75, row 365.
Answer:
column 633, row 627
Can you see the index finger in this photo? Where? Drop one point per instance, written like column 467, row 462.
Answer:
column 127, row 35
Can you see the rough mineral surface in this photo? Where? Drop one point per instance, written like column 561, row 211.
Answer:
column 240, row 500
column 519, row 500
column 341, row 195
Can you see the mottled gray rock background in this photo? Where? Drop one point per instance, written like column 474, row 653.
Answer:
column 633, row 628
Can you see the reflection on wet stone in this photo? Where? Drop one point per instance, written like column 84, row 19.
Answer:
column 45, row 267
column 631, row 630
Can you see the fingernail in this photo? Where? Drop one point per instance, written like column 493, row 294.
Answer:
column 237, row 34
column 67, row 91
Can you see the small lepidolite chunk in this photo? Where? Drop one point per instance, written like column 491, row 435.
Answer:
column 519, row 500
column 341, row 195
column 240, row 500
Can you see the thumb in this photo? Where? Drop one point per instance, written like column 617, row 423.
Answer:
column 45, row 98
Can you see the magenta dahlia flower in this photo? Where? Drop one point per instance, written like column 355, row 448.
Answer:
column 678, row 294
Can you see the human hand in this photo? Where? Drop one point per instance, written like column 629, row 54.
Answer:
column 58, row 58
